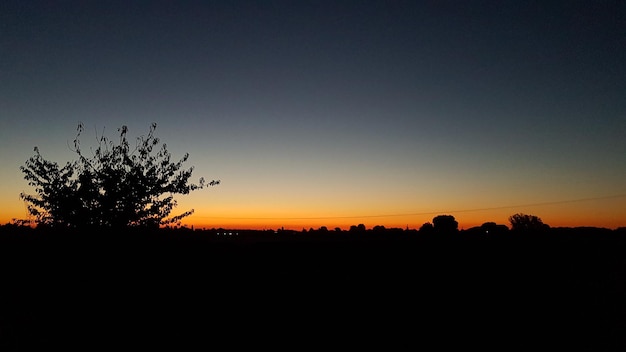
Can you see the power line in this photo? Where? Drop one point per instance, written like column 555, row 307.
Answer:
column 418, row 213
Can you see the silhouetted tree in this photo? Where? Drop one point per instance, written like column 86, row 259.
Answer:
column 117, row 186
column 525, row 223
column 379, row 229
column 358, row 228
column 445, row 224
column 493, row 228
column 426, row 228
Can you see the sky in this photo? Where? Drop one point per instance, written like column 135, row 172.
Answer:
column 334, row 113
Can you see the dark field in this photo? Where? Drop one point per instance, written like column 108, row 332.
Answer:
column 183, row 290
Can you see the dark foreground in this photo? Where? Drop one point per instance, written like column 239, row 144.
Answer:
column 194, row 292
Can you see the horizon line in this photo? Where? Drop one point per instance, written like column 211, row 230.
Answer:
column 417, row 213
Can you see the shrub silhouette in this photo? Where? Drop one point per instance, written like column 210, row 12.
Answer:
column 445, row 224
column 524, row 223
column 426, row 228
column 116, row 187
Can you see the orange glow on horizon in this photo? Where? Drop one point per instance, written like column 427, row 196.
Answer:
column 602, row 212
column 607, row 213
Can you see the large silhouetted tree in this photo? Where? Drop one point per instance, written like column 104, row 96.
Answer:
column 525, row 223
column 117, row 186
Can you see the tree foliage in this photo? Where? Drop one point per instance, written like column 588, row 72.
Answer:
column 445, row 224
column 525, row 223
column 116, row 186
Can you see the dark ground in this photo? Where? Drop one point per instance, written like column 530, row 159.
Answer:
column 557, row 291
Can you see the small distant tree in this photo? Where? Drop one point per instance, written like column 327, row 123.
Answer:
column 493, row 228
column 357, row 228
column 527, row 223
column 445, row 224
column 379, row 228
column 117, row 186
column 426, row 228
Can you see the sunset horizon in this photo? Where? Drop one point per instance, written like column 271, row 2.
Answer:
column 172, row 175
column 555, row 214
column 333, row 114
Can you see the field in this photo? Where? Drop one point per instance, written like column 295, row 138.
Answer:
column 183, row 290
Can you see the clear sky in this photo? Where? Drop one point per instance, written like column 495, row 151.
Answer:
column 334, row 113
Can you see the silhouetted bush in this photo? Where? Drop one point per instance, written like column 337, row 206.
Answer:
column 118, row 186
column 445, row 224
column 527, row 223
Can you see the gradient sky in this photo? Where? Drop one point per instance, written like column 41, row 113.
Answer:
column 334, row 113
